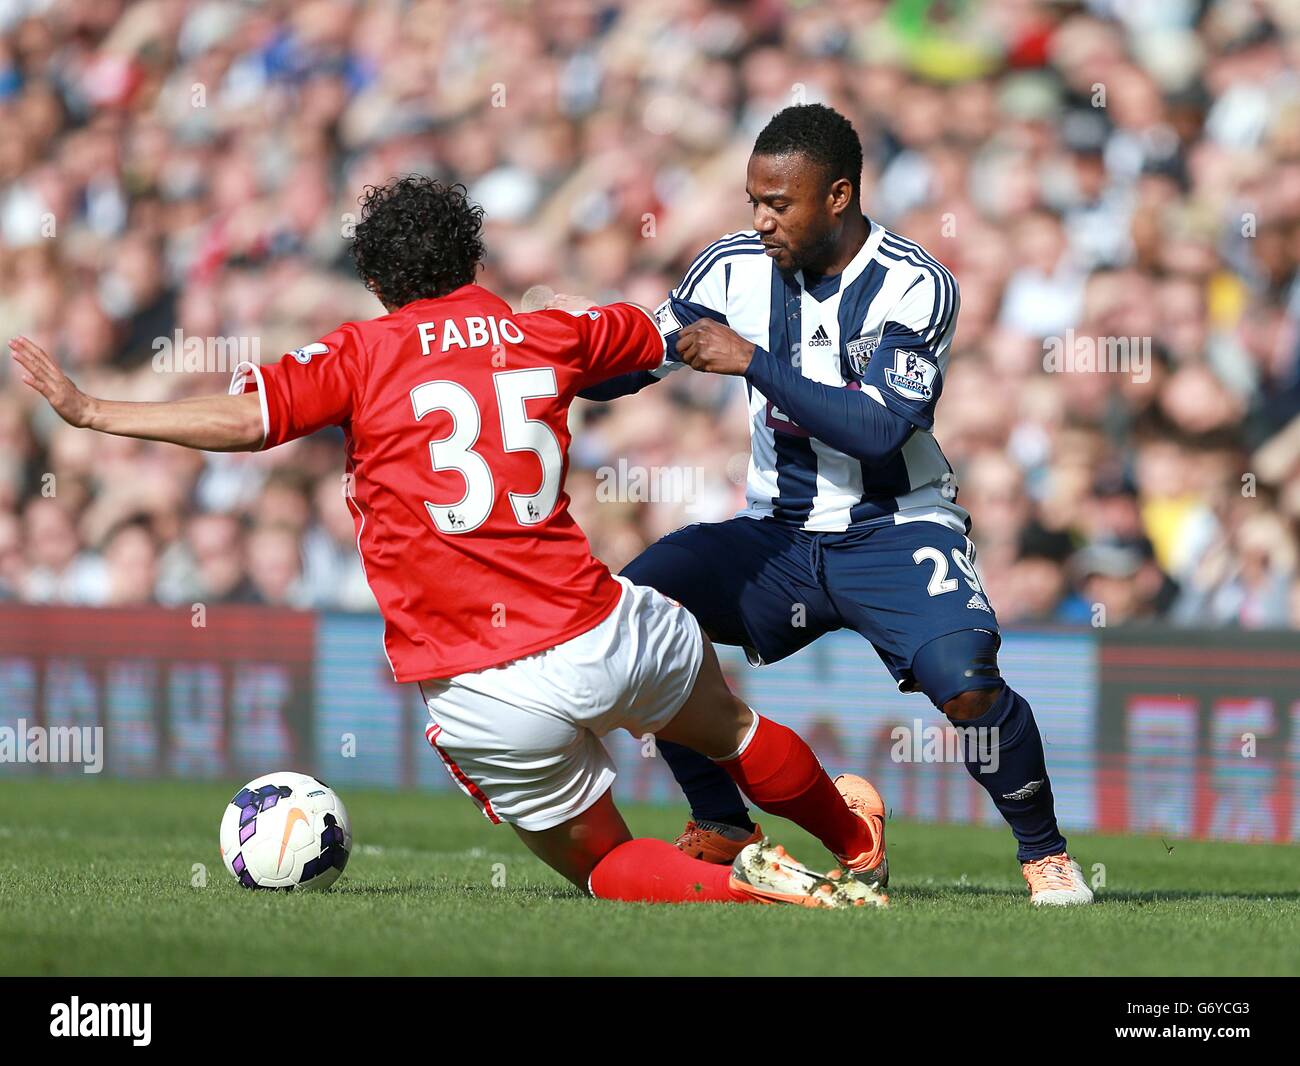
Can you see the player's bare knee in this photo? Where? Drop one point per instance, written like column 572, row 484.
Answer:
column 739, row 718
column 974, row 703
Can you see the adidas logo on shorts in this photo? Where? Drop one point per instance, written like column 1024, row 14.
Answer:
column 978, row 603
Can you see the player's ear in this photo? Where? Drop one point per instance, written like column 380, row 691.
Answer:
column 841, row 195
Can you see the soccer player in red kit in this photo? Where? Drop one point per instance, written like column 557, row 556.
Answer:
column 526, row 650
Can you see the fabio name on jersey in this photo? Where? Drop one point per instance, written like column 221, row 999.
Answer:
column 455, row 414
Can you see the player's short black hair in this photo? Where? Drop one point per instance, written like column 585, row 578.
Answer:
column 822, row 134
column 417, row 239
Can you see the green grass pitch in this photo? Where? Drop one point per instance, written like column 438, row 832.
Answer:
column 96, row 879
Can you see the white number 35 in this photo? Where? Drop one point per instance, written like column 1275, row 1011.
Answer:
column 519, row 433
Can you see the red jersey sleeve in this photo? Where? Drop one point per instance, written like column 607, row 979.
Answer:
column 308, row 389
column 617, row 339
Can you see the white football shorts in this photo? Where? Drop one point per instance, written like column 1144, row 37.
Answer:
column 523, row 739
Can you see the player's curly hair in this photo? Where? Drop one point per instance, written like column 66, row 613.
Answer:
column 822, row 134
column 417, row 239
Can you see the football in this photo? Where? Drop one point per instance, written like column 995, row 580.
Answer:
column 286, row 831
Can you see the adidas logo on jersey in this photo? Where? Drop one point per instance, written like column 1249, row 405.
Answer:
column 820, row 339
column 978, row 603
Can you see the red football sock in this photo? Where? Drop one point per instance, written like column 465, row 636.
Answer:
column 780, row 773
column 653, row 871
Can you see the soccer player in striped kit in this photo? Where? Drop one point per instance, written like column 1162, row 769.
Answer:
column 842, row 331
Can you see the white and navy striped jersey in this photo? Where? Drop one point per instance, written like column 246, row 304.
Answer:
column 884, row 326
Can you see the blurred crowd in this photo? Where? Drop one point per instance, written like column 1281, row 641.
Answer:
column 1090, row 171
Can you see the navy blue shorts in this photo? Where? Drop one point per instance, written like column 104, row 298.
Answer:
column 773, row 589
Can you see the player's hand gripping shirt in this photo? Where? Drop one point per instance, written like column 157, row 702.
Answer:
column 455, row 416
column 879, row 333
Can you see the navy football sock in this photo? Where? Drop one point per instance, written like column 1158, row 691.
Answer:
column 1019, row 785
column 712, row 794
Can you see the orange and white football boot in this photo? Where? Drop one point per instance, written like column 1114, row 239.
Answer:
column 871, row 867
column 768, row 873
column 1056, row 881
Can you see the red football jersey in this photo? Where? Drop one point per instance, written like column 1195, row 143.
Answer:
column 455, row 413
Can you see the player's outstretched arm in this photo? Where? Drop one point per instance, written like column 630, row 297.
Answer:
column 623, row 385
column 214, row 423
column 668, row 317
column 544, row 298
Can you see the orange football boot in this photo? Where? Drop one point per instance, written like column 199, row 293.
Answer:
column 1056, row 881
column 871, row 867
column 709, row 845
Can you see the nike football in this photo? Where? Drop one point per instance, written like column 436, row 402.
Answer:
column 286, row 831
